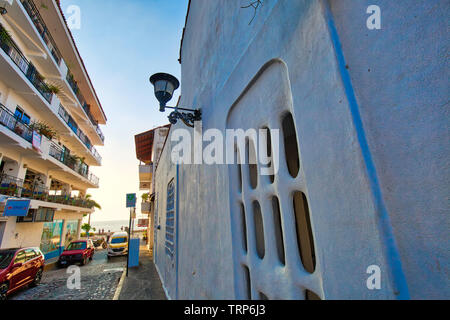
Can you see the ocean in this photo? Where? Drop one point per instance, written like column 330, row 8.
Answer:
column 113, row 226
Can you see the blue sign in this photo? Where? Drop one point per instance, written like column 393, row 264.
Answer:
column 16, row 208
column 131, row 200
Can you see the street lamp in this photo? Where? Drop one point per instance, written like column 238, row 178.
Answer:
column 165, row 85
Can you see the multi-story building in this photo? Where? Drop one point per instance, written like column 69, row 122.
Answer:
column 359, row 206
column 50, row 119
column 149, row 146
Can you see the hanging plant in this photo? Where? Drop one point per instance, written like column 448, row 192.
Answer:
column 5, row 36
column 145, row 197
column 44, row 129
column 53, row 89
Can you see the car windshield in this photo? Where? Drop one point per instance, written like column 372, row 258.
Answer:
column 118, row 240
column 76, row 246
column 5, row 258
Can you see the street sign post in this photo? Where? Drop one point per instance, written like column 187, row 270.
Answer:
column 131, row 200
column 130, row 203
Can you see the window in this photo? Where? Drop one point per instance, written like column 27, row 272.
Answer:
column 30, row 254
column 244, row 228
column 272, row 214
column 5, row 258
column 73, row 125
column 119, row 240
column 251, row 160
column 76, row 246
column 22, row 116
column 309, row 295
column 44, row 215
column 290, row 145
column 28, row 218
column 20, row 258
column 305, row 239
column 259, row 230
column 38, row 215
column 278, row 229
column 170, row 220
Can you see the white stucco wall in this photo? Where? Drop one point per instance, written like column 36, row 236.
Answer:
column 19, row 235
column 374, row 168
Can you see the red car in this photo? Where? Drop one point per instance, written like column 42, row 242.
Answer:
column 79, row 251
column 18, row 268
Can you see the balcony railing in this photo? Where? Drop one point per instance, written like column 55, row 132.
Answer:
column 94, row 122
column 28, row 69
column 8, row 120
column 74, row 126
column 73, row 84
column 76, row 165
column 42, row 29
column 11, row 186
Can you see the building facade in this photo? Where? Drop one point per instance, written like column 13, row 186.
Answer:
column 358, row 208
column 149, row 146
column 50, row 119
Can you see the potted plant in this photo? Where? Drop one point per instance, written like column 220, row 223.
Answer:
column 53, row 89
column 44, row 129
column 145, row 197
column 5, row 37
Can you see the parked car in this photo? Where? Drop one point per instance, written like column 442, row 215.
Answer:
column 118, row 244
column 79, row 251
column 18, row 268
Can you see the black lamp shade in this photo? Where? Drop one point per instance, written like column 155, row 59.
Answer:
column 165, row 85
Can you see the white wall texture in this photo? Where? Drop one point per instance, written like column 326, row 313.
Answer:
column 371, row 115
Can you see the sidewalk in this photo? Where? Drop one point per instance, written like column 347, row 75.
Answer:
column 143, row 282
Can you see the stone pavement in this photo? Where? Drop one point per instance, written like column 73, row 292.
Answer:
column 99, row 280
column 143, row 282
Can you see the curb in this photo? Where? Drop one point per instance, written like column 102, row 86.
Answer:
column 119, row 287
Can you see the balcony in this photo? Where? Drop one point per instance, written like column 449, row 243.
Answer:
column 145, row 173
column 8, row 120
column 74, row 163
column 13, row 187
column 42, row 29
column 146, row 207
column 62, row 112
column 76, row 90
column 28, row 69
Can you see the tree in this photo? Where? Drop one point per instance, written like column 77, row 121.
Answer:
column 92, row 203
column 87, row 227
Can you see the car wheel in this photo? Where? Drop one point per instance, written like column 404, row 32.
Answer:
column 84, row 261
column 91, row 257
column 3, row 291
column 37, row 278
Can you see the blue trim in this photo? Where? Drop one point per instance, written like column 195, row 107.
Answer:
column 176, row 230
column 53, row 254
column 392, row 254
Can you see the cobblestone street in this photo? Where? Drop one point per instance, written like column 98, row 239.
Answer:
column 99, row 280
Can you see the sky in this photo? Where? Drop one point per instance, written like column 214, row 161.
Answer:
column 122, row 43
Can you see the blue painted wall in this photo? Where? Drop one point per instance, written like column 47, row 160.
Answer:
column 371, row 113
